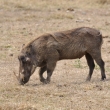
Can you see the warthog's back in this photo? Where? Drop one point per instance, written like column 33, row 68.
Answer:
column 75, row 33
column 70, row 44
column 74, row 43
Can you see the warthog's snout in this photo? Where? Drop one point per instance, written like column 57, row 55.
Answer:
column 23, row 81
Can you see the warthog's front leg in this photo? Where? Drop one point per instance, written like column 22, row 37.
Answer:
column 52, row 59
column 41, row 71
column 50, row 68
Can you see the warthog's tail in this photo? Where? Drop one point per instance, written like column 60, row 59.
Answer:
column 101, row 38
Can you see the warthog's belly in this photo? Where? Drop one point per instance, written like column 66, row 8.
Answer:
column 67, row 54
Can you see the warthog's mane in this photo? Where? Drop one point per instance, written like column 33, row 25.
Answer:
column 66, row 34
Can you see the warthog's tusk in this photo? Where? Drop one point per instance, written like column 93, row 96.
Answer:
column 16, row 76
column 33, row 69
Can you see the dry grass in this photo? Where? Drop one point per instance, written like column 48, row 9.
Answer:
column 22, row 21
column 103, row 1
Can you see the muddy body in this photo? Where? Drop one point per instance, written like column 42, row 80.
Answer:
column 46, row 50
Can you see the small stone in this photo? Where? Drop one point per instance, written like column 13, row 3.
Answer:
column 61, row 95
column 58, row 9
column 11, row 54
column 70, row 9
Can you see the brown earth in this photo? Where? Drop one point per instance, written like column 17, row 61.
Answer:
column 22, row 21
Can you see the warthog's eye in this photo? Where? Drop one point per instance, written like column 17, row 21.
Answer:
column 22, row 58
column 28, row 54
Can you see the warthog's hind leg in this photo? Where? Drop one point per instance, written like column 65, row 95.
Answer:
column 91, row 65
column 97, row 57
column 101, row 64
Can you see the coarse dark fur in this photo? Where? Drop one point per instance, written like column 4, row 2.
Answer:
column 46, row 50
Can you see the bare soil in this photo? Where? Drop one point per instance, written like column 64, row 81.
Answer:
column 23, row 20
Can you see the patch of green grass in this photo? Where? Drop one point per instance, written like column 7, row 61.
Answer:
column 107, row 69
column 8, row 46
column 97, row 67
column 78, row 64
column 2, row 56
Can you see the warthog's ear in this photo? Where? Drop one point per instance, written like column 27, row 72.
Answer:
column 29, row 48
column 28, row 53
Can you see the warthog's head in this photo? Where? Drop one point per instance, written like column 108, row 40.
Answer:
column 26, row 67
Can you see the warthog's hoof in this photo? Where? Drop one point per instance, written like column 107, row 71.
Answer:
column 46, row 81
column 88, row 78
column 42, row 80
column 103, row 78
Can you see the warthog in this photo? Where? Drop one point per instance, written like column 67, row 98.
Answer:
column 46, row 50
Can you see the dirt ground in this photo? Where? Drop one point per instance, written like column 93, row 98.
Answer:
column 22, row 21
